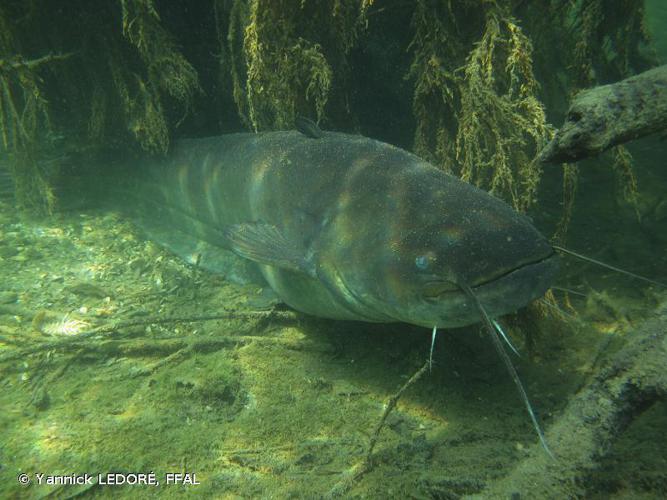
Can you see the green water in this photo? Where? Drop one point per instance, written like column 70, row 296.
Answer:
column 117, row 357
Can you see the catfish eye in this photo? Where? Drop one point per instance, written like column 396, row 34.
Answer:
column 423, row 262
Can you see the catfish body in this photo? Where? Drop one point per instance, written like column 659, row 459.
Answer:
column 345, row 227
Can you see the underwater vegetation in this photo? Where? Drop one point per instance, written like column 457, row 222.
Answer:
column 491, row 93
column 476, row 87
column 80, row 79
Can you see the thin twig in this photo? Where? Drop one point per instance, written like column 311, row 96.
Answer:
column 17, row 62
column 283, row 315
column 388, row 409
column 80, row 341
column 351, row 476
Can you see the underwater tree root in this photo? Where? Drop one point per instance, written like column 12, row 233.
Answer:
column 174, row 350
column 606, row 116
column 88, row 341
column 254, row 315
column 171, row 347
column 631, row 382
column 351, row 476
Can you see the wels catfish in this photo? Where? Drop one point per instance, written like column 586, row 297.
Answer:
column 346, row 227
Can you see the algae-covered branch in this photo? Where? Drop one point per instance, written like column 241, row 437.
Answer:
column 605, row 116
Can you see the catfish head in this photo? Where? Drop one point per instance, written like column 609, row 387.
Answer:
column 407, row 245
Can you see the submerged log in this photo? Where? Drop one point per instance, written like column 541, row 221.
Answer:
column 632, row 381
column 605, row 116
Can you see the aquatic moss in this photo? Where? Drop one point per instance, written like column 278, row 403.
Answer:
column 50, row 110
column 284, row 56
column 502, row 123
column 607, row 35
column 483, row 119
column 476, row 100
column 347, row 17
column 230, row 30
column 142, row 108
column 598, row 41
column 168, row 72
column 622, row 165
column 285, row 73
column 475, row 96
column 166, row 66
column 435, row 93
column 22, row 105
column 570, row 183
column 25, row 124
column 33, row 181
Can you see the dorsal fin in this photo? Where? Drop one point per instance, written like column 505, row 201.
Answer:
column 308, row 127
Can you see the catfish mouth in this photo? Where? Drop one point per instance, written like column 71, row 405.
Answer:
column 451, row 289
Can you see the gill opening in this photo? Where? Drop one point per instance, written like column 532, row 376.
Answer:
column 351, row 301
column 607, row 266
column 495, row 339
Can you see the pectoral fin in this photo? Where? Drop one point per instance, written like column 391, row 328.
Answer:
column 266, row 244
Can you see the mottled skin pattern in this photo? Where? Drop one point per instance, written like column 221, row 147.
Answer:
column 380, row 234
